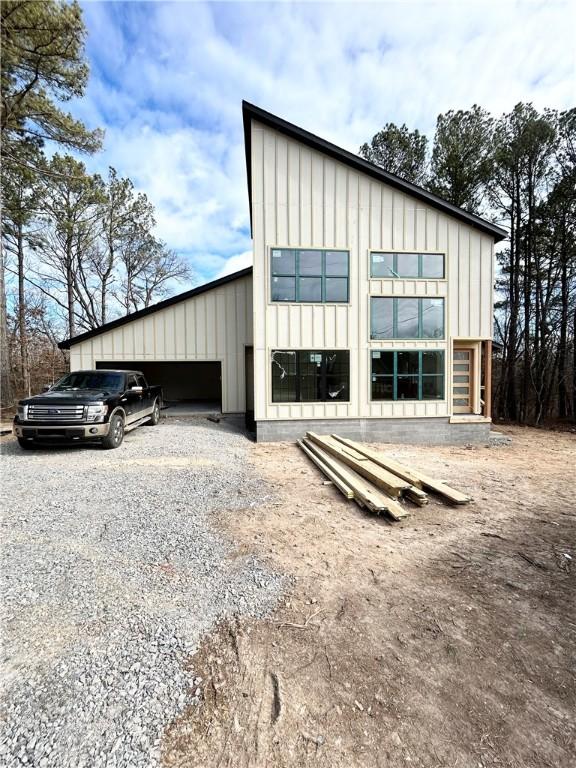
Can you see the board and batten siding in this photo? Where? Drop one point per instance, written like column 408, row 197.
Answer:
column 213, row 326
column 303, row 198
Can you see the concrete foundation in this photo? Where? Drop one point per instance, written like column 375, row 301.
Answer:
column 423, row 431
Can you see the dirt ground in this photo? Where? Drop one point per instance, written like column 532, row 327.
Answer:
column 448, row 639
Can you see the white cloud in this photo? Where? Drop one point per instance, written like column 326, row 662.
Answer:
column 168, row 80
column 236, row 263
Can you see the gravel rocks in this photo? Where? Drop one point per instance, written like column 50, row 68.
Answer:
column 111, row 573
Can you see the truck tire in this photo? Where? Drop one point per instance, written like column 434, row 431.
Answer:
column 115, row 436
column 27, row 445
column 155, row 417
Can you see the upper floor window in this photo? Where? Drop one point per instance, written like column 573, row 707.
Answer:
column 406, row 318
column 309, row 275
column 385, row 264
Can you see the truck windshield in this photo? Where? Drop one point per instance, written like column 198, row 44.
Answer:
column 111, row 382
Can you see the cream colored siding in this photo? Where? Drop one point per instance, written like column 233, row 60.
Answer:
column 303, row 198
column 213, row 326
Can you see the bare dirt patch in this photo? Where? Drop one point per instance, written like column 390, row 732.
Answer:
column 445, row 640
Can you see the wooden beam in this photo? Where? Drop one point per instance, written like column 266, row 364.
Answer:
column 376, row 474
column 415, row 477
column 383, row 461
column 365, row 493
column 345, row 489
column 488, row 378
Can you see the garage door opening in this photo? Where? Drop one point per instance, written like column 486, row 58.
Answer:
column 187, row 387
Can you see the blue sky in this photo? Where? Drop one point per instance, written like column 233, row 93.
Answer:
column 168, row 78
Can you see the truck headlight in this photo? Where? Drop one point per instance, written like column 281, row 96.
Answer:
column 96, row 412
column 22, row 412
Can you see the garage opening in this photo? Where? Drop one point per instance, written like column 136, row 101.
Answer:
column 187, row 387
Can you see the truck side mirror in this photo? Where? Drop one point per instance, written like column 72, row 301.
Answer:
column 136, row 389
column 46, row 388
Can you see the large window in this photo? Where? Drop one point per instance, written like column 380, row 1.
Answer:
column 406, row 318
column 407, row 375
column 385, row 264
column 309, row 275
column 310, row 376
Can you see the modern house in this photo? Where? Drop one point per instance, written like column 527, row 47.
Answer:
column 368, row 310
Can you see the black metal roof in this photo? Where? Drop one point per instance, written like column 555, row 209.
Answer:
column 67, row 343
column 251, row 112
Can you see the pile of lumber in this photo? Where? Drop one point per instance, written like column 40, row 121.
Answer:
column 373, row 480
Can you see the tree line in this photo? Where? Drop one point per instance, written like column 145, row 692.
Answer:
column 519, row 171
column 77, row 249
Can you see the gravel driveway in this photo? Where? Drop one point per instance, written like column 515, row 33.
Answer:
column 111, row 572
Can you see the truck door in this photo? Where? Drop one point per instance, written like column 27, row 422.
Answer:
column 132, row 400
column 146, row 399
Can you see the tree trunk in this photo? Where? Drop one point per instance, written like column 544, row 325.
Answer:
column 22, row 330
column 563, row 340
column 6, row 395
column 70, row 287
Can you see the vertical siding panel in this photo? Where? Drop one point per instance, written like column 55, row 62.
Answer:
column 180, row 329
column 224, row 315
column 397, row 220
column 474, row 286
column 386, row 219
column 305, row 197
column 410, row 224
column 281, row 190
column 453, row 278
column 486, row 310
column 293, row 194
column 329, row 204
column 295, row 335
column 375, row 216
column 420, row 228
column 270, row 200
column 341, row 207
column 317, row 239
column 463, row 292
column 169, row 315
column 431, row 230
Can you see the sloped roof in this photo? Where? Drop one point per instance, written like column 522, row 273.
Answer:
column 251, row 112
column 67, row 343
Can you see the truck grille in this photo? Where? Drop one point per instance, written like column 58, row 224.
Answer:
column 55, row 412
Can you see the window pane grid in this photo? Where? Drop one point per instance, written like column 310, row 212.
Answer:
column 310, row 376
column 385, row 264
column 428, row 314
column 407, row 384
column 293, row 279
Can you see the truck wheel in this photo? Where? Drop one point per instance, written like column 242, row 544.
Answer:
column 155, row 418
column 27, row 445
column 116, row 434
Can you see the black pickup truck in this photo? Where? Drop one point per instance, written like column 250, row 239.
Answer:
column 87, row 406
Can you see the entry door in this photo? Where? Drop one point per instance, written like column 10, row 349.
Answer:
column 462, row 380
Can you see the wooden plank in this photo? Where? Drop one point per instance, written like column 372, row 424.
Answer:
column 381, row 477
column 413, row 492
column 417, row 478
column 392, row 466
column 364, row 492
column 345, row 489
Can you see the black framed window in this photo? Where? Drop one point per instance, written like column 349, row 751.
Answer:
column 310, row 275
column 407, row 375
column 310, row 376
column 386, row 264
column 406, row 318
